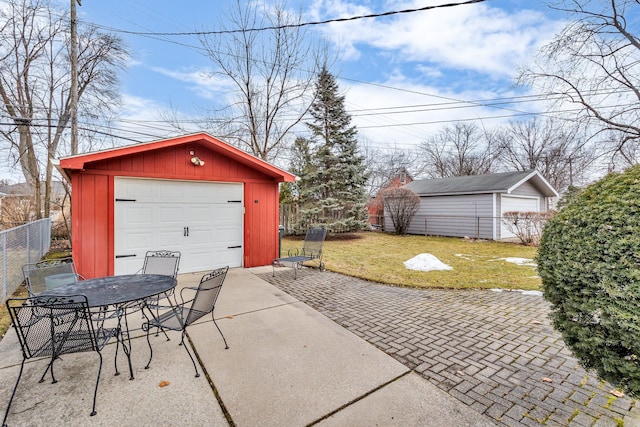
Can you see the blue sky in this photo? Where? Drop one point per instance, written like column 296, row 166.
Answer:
column 401, row 64
column 404, row 76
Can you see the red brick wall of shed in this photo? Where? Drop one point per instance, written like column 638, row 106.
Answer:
column 93, row 202
column 375, row 206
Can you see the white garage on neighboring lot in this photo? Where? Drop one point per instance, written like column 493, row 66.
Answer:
column 473, row 205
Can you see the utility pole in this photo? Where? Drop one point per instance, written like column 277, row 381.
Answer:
column 74, row 78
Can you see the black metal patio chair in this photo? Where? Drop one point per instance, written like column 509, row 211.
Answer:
column 51, row 273
column 184, row 314
column 161, row 262
column 311, row 251
column 48, row 274
column 53, row 326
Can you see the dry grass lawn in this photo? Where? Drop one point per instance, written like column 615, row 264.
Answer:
column 379, row 257
column 5, row 319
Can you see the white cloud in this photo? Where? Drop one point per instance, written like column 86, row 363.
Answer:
column 409, row 112
column 473, row 37
column 146, row 119
column 203, row 82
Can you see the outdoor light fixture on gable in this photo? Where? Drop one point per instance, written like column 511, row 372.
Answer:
column 196, row 161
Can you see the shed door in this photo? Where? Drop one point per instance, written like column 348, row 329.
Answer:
column 520, row 204
column 202, row 220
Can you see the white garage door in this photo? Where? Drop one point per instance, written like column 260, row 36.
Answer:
column 516, row 204
column 202, row 220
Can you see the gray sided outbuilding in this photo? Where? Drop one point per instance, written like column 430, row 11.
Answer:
column 472, row 206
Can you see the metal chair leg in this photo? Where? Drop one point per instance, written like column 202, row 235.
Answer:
column 150, row 348
column 95, row 391
column 189, row 353
column 226, row 346
column 6, row 413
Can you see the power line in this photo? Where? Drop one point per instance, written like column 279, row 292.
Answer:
column 480, row 103
column 85, row 129
column 301, row 24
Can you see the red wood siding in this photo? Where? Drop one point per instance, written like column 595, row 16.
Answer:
column 261, row 212
column 93, row 199
column 92, row 239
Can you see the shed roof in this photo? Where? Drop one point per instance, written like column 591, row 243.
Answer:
column 478, row 184
column 79, row 161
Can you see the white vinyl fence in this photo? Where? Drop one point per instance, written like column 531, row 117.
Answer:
column 18, row 246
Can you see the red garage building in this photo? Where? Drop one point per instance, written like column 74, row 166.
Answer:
column 214, row 203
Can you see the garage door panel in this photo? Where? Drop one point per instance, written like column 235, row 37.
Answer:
column 131, row 264
column 200, row 236
column 519, row 204
column 203, row 214
column 166, row 238
column 516, row 204
column 168, row 214
column 136, row 215
column 162, row 212
column 137, row 241
column 228, row 238
column 226, row 257
column 218, row 195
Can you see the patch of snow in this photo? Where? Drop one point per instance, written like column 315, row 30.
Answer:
column 426, row 262
column 535, row 293
column 519, row 261
column 523, row 292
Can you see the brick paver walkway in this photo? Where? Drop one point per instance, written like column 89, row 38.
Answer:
column 494, row 351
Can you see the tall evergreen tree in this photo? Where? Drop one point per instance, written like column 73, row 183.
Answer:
column 333, row 187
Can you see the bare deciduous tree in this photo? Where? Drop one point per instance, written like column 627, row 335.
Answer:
column 526, row 226
column 16, row 210
column 593, row 63
column 401, row 204
column 272, row 71
column 459, row 149
column 553, row 148
column 385, row 165
column 35, row 82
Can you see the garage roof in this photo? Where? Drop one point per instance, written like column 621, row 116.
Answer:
column 477, row 184
column 79, row 161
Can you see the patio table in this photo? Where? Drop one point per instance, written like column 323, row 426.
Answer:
column 120, row 292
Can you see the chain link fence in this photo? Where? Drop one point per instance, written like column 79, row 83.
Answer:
column 18, row 246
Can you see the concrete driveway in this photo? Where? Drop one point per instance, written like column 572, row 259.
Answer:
column 287, row 365
column 494, row 351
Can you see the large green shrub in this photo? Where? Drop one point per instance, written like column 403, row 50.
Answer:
column 589, row 262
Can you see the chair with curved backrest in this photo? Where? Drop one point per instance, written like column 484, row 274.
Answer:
column 311, row 251
column 165, row 263
column 161, row 262
column 48, row 274
column 184, row 314
column 53, row 326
